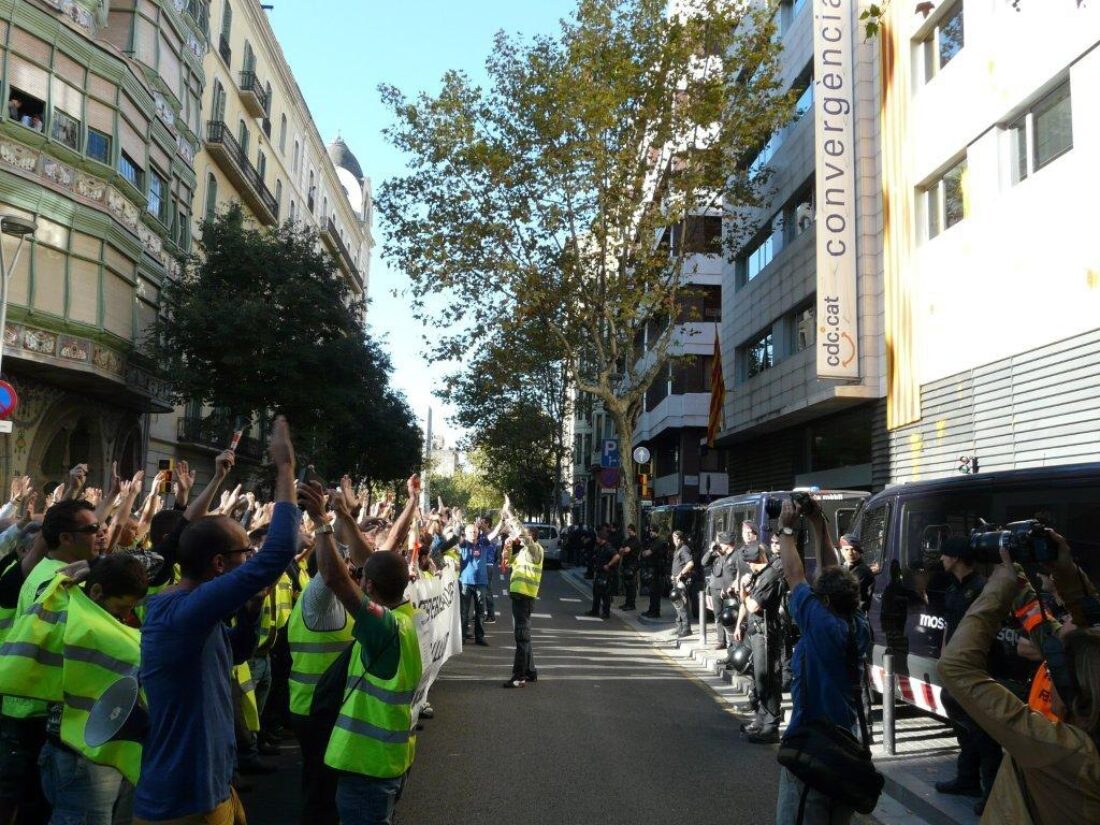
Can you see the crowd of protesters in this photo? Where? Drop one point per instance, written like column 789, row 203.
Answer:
column 245, row 622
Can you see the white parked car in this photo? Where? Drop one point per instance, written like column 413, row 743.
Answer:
column 549, row 539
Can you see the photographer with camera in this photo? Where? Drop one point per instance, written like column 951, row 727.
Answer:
column 1052, row 773
column 835, row 637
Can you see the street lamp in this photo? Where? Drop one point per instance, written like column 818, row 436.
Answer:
column 19, row 228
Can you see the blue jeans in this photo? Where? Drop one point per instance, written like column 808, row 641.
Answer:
column 470, row 596
column 365, row 800
column 820, row 809
column 81, row 792
column 261, row 676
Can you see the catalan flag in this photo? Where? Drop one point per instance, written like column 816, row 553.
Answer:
column 717, row 392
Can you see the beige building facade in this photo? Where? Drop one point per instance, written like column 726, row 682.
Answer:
column 260, row 148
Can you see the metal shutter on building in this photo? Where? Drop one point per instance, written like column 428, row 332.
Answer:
column 68, row 99
column 101, row 117
column 28, row 78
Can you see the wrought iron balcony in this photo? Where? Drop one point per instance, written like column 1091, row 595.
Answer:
column 200, row 13
column 253, row 94
column 340, row 252
column 228, row 154
column 215, row 434
column 224, row 50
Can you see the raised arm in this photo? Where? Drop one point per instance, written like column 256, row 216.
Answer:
column 401, row 526
column 826, row 551
column 347, row 531
column 201, row 505
column 334, row 571
column 793, row 570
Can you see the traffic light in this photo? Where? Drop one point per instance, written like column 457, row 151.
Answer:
column 645, row 485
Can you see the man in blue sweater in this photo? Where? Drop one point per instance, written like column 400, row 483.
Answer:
column 187, row 651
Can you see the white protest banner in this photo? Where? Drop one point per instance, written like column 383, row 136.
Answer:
column 438, row 627
column 835, row 162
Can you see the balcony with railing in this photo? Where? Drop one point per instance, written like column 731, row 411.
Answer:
column 339, row 250
column 215, row 434
column 224, row 50
column 231, row 158
column 253, row 94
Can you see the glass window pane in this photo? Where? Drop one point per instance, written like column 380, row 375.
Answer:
column 954, row 183
column 1019, row 140
column 929, row 59
column 950, row 33
column 1053, row 127
column 99, row 146
column 932, row 210
column 805, row 100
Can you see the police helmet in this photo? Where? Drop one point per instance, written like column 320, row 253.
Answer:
column 741, row 658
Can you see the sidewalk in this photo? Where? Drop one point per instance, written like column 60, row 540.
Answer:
column 926, row 748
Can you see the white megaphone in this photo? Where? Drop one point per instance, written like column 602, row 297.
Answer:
column 117, row 715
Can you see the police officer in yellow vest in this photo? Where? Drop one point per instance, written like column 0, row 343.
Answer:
column 373, row 744
column 72, row 534
column 523, row 555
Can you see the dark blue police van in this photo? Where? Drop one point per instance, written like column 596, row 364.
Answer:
column 903, row 528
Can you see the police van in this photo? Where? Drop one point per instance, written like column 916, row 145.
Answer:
column 728, row 514
column 902, row 530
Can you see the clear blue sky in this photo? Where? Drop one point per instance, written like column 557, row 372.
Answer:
column 340, row 50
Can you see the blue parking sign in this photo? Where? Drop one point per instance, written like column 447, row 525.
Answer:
column 609, row 455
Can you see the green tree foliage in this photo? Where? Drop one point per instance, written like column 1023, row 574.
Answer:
column 547, row 198
column 470, row 489
column 264, row 322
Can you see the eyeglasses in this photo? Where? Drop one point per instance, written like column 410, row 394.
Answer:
column 87, row 528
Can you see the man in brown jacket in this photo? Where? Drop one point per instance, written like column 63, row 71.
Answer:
column 1052, row 773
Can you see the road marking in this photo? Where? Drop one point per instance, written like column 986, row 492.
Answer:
column 541, row 616
column 588, row 619
column 567, row 599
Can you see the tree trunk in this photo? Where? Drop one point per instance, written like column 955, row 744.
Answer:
column 625, row 429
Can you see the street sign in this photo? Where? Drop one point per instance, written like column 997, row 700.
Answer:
column 5, row 427
column 9, row 399
column 641, row 455
column 578, row 490
column 609, row 477
column 609, row 454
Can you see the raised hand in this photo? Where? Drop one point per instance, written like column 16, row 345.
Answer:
column 77, row 476
column 93, row 495
column 312, row 499
column 348, row 492
column 183, row 481
column 279, row 445
column 413, row 485
column 224, row 463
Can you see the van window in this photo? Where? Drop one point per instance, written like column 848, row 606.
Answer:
column 844, row 520
column 545, row 533
column 927, row 522
column 872, row 532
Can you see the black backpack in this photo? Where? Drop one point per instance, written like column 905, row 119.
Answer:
column 331, row 690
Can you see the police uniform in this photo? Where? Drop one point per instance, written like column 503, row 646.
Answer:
column 681, row 557
column 765, row 638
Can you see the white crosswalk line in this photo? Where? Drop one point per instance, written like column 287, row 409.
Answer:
column 541, row 616
column 567, row 599
column 589, row 619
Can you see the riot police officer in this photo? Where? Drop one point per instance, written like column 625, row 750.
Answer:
column 721, row 574
column 761, row 594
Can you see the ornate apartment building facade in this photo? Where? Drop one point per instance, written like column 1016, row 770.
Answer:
column 126, row 123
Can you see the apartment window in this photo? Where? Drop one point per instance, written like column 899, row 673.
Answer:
column 211, row 197
column 218, row 107
column 293, row 210
column 26, row 109
column 311, row 192
column 158, row 205
column 261, row 164
column 945, row 200
column 1044, row 133
column 66, row 129
column 805, row 100
column 712, row 303
column 249, row 58
column 227, row 20
column 297, row 154
column 944, row 41
column 183, row 237
column 701, row 234
column 282, row 134
column 759, row 355
column 788, row 11
column 278, row 197
column 803, row 326
column 242, row 137
column 129, row 169
column 99, row 146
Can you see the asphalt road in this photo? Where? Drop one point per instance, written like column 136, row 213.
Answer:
column 611, row 733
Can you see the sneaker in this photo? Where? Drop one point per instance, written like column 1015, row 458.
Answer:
column 515, row 683
column 481, row 643
column 427, row 712
column 956, row 787
column 750, row 727
column 491, row 620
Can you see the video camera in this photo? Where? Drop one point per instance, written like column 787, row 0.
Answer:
column 803, row 502
column 1026, row 541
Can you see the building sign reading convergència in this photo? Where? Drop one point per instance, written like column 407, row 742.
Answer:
column 835, row 162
